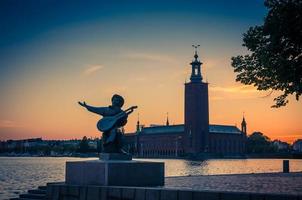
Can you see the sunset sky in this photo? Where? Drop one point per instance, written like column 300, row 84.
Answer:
column 53, row 54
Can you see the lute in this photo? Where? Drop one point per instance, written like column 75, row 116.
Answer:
column 107, row 123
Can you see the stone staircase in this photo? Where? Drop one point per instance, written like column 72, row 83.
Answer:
column 39, row 193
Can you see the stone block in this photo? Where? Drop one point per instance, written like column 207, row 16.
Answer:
column 234, row 196
column 152, row 194
column 115, row 173
column 63, row 190
column 103, row 191
column 140, row 194
column 167, row 194
column 49, row 191
column 73, row 190
column 128, row 193
column 114, row 156
column 185, row 195
column 55, row 192
column 280, row 197
column 113, row 193
column 85, row 173
column 93, row 193
column 69, row 198
column 201, row 195
column 83, row 193
column 257, row 196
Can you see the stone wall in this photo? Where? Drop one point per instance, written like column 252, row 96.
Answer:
column 69, row 192
column 227, row 143
column 164, row 145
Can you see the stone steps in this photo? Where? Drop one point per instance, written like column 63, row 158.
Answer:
column 36, row 194
column 33, row 196
column 38, row 191
column 42, row 187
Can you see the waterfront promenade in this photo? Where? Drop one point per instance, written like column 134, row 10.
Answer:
column 274, row 183
column 266, row 186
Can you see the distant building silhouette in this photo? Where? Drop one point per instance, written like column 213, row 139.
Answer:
column 196, row 136
column 281, row 146
column 297, row 145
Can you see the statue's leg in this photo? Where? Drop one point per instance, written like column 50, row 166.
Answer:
column 109, row 142
column 119, row 141
column 105, row 144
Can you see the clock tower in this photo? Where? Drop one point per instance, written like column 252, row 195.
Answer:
column 196, row 110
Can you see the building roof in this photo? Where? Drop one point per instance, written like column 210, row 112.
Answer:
column 215, row 128
column 180, row 128
column 163, row 129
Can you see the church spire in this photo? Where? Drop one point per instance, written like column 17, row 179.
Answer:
column 138, row 124
column 196, row 71
column 167, row 122
column 243, row 125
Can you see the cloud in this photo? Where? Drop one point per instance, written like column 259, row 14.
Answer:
column 235, row 89
column 149, row 57
column 216, row 63
column 218, row 98
column 7, row 124
column 140, row 79
column 160, row 85
column 92, row 69
column 234, row 92
column 289, row 136
column 116, row 89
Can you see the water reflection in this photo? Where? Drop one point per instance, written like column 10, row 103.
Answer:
column 20, row 174
column 225, row 166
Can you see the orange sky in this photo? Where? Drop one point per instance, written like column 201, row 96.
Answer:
column 143, row 56
column 46, row 106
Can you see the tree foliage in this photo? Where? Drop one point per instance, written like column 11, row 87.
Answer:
column 84, row 146
column 257, row 142
column 275, row 59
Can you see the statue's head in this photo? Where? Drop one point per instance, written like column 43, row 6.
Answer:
column 117, row 100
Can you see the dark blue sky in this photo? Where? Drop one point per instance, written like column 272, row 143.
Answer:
column 29, row 28
column 22, row 21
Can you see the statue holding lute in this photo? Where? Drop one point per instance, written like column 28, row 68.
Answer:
column 114, row 118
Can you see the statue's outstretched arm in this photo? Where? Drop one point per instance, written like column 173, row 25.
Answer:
column 98, row 110
column 104, row 111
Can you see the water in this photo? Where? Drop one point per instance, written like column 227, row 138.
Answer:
column 18, row 174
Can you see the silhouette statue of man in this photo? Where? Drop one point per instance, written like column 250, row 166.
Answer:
column 112, row 139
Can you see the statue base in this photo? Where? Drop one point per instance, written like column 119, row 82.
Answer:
column 115, row 156
column 115, row 173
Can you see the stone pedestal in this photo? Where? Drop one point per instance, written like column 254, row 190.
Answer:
column 115, row 173
column 115, row 156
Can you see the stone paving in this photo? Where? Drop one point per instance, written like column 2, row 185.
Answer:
column 269, row 183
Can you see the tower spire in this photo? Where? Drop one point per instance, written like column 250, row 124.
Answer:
column 196, row 72
column 137, row 123
column 243, row 125
column 167, row 122
column 195, row 46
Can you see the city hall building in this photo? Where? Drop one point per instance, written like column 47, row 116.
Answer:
column 196, row 136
